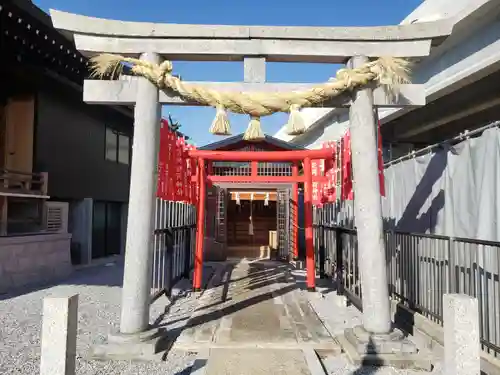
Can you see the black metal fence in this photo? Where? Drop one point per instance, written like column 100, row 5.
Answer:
column 174, row 244
column 420, row 269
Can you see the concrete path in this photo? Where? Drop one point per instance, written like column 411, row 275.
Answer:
column 254, row 319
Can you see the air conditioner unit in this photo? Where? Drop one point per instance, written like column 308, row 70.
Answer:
column 56, row 217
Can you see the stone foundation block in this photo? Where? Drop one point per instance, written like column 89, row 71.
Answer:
column 462, row 351
column 59, row 331
column 393, row 349
column 144, row 346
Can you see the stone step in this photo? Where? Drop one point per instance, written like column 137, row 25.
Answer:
column 259, row 362
column 332, row 348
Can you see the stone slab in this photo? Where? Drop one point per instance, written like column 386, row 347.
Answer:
column 260, row 323
column 200, row 364
column 333, row 348
column 313, row 362
column 253, row 305
column 312, row 320
column 257, row 362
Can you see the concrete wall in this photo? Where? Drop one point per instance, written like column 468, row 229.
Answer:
column 34, row 259
column 70, row 146
column 332, row 128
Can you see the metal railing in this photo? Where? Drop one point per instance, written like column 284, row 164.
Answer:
column 174, row 244
column 420, row 269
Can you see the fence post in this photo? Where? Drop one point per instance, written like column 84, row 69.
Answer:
column 59, row 331
column 322, row 257
column 187, row 252
column 169, row 243
column 451, row 266
column 461, row 335
column 339, row 262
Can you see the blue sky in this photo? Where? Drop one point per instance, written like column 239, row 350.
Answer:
column 197, row 120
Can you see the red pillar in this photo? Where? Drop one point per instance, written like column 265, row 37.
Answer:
column 254, row 165
column 295, row 200
column 210, row 172
column 308, row 219
column 200, row 226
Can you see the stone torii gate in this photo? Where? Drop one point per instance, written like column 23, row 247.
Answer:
column 254, row 45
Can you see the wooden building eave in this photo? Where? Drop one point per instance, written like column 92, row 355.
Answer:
column 27, row 33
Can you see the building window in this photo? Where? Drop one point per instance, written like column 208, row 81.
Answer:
column 123, row 149
column 111, row 145
column 117, row 147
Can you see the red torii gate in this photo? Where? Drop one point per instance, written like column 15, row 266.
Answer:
column 205, row 158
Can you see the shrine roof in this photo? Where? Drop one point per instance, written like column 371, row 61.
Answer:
column 237, row 140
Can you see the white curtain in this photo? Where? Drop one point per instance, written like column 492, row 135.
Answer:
column 451, row 191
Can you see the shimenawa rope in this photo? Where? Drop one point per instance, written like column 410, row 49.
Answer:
column 387, row 71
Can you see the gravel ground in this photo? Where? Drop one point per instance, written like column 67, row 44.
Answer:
column 337, row 318
column 99, row 290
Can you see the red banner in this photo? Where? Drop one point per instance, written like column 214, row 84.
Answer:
column 196, row 186
column 179, row 171
column 329, row 187
column 162, row 161
column 175, row 168
column 329, row 163
column 189, row 174
column 347, row 192
column 184, row 180
column 193, row 194
column 315, row 171
column 170, row 165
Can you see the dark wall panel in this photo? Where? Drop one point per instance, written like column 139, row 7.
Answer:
column 70, row 146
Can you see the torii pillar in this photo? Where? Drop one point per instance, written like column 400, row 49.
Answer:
column 141, row 211
column 368, row 210
column 375, row 342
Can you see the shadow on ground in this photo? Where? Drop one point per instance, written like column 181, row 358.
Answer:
column 105, row 274
column 367, row 367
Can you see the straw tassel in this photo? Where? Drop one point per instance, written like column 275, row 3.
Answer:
column 220, row 125
column 106, row 64
column 254, row 131
column 295, row 125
